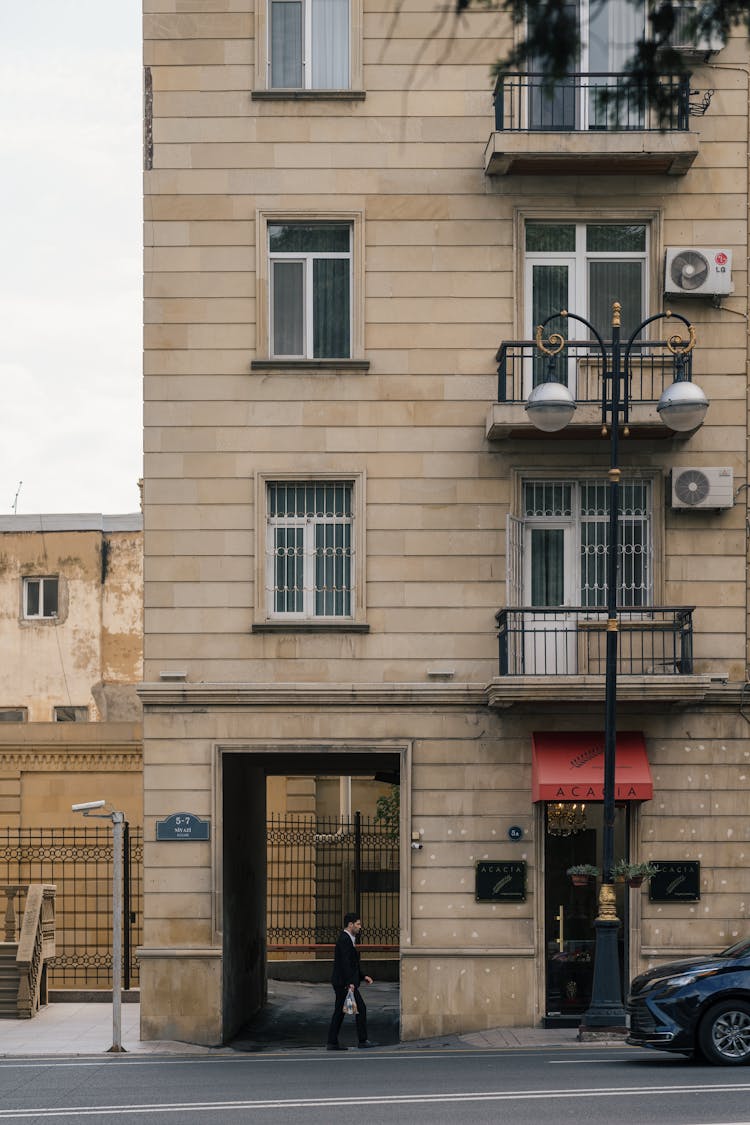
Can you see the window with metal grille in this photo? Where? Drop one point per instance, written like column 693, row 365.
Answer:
column 40, row 597
column 310, row 555
column 567, row 536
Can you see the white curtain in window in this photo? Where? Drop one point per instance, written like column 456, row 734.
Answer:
column 286, row 44
column 626, row 23
column 330, row 44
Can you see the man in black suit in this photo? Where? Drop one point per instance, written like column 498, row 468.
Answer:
column 346, row 977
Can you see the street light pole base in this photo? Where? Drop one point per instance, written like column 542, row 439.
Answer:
column 606, row 1010
column 115, row 1050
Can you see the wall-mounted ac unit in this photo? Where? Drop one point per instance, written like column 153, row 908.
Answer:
column 687, row 45
column 693, row 271
column 702, row 488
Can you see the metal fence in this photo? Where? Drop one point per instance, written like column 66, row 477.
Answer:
column 650, row 369
column 79, row 862
column 588, row 102
column 318, row 869
column 572, row 640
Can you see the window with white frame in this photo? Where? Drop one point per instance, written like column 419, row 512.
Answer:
column 608, row 31
column 40, row 597
column 584, row 267
column 310, row 289
column 565, row 529
column 309, row 44
column 310, row 549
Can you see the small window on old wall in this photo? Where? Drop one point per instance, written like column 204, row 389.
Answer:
column 13, row 714
column 40, row 597
column 69, row 714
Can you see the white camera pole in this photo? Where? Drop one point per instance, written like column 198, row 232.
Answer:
column 118, row 819
column 118, row 836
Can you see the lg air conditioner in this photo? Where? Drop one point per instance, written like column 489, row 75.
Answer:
column 702, row 488
column 697, row 272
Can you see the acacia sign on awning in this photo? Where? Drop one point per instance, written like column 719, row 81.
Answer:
column 569, row 766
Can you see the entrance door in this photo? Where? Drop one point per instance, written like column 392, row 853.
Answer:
column 570, row 912
column 608, row 33
column 550, row 643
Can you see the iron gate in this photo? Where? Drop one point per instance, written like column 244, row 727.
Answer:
column 317, row 869
column 320, row 868
column 79, row 862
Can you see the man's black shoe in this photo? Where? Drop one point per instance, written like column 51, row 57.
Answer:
column 366, row 1043
column 337, row 1047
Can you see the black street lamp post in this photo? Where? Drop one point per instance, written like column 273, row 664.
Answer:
column 550, row 407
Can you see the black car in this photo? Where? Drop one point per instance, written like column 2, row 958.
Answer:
column 698, row 1007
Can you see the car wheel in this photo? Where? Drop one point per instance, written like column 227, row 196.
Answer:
column 724, row 1033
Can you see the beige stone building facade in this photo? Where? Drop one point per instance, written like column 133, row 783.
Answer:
column 71, row 598
column 361, row 556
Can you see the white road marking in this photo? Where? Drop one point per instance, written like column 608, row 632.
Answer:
column 365, row 1101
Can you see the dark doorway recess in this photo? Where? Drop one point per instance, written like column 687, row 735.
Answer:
column 570, row 911
column 250, row 903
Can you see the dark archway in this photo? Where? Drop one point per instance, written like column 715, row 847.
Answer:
column 243, row 780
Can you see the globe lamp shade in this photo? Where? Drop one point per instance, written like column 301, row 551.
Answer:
column 550, row 406
column 682, row 406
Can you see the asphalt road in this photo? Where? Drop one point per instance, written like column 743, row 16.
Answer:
column 424, row 1087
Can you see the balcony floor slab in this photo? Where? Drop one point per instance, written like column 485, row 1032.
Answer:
column 560, row 153
column 505, row 692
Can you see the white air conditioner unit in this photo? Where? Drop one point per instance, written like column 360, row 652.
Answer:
column 693, row 271
column 702, row 488
column 681, row 41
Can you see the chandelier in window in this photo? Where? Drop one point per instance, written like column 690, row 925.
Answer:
column 565, row 819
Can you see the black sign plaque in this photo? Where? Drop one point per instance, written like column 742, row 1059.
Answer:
column 183, row 826
column 676, row 880
column 500, row 880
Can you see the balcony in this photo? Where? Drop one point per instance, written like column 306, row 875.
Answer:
column 558, row 654
column 520, row 366
column 568, row 129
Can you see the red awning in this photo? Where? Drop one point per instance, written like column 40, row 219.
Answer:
column 569, row 766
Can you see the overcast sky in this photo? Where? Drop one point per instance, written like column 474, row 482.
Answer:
column 70, row 282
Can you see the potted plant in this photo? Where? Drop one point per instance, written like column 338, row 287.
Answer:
column 633, row 873
column 582, row 873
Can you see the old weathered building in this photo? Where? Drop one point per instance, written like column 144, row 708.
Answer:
column 348, row 248
column 71, row 596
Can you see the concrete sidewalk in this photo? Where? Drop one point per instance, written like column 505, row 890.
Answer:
column 296, row 1018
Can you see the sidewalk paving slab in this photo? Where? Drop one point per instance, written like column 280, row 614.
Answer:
column 296, row 1018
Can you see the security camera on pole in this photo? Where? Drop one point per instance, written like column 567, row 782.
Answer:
column 88, row 808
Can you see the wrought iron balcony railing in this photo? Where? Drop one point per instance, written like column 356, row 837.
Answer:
column 590, row 102
column 520, row 366
column 572, row 641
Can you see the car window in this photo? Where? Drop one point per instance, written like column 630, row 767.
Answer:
column 739, row 949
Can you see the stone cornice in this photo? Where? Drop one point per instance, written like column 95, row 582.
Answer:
column 155, row 695
column 500, row 694
column 67, row 760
